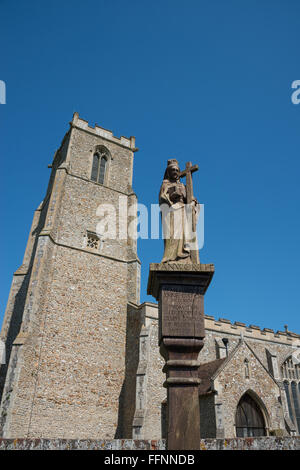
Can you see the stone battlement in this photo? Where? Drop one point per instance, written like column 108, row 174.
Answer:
column 254, row 331
column 104, row 133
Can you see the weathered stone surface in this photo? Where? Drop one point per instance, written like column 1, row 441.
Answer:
column 83, row 354
column 80, row 444
column 181, row 320
column 178, row 273
column 258, row 443
column 232, row 380
column 182, row 311
column 66, row 377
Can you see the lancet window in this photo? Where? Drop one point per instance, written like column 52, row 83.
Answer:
column 99, row 166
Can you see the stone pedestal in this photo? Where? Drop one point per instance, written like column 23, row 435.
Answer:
column 179, row 289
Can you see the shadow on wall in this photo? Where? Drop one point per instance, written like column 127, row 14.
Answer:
column 127, row 398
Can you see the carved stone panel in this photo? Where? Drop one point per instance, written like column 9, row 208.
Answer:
column 181, row 311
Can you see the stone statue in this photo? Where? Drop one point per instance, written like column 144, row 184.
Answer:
column 179, row 211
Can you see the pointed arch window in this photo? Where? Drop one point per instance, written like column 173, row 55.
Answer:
column 290, row 371
column 99, row 166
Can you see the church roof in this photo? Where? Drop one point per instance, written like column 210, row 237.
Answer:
column 205, row 372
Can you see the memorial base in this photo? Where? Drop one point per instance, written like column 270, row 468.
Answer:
column 179, row 289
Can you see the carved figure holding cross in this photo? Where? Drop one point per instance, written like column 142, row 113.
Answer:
column 179, row 210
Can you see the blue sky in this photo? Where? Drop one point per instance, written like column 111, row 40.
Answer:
column 206, row 81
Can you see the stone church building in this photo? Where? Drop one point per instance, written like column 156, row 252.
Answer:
column 82, row 357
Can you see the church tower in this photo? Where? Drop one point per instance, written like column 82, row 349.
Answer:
column 67, row 313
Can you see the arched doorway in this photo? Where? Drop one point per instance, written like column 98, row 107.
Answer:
column 249, row 420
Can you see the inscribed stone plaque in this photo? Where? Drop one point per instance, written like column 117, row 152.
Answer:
column 181, row 311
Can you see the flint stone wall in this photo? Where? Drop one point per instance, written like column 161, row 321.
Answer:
column 66, row 375
column 250, row 443
column 280, row 344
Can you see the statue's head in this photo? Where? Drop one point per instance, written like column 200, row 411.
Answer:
column 172, row 171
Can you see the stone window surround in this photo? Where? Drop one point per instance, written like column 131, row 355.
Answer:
column 101, row 150
column 291, row 375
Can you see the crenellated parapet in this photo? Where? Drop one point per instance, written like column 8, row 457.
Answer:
column 251, row 331
column 104, row 133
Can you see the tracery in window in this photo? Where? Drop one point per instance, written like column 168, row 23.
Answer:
column 290, row 371
column 99, row 166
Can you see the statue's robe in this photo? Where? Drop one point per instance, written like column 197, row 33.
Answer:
column 173, row 222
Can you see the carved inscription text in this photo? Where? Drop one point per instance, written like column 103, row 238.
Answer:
column 181, row 312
